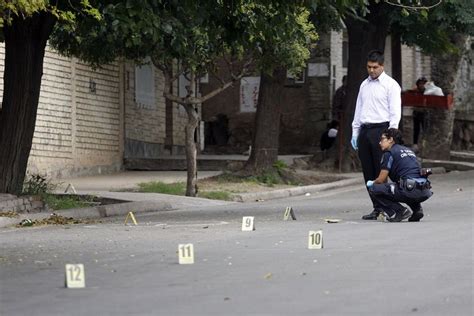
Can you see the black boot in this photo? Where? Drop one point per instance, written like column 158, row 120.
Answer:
column 372, row 216
column 417, row 215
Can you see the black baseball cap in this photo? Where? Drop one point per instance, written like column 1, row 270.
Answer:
column 421, row 79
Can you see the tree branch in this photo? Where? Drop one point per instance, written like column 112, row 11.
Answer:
column 416, row 7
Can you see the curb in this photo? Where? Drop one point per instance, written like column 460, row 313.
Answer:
column 94, row 212
column 448, row 164
column 282, row 193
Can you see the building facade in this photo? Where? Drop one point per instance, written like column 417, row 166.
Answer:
column 306, row 100
column 89, row 120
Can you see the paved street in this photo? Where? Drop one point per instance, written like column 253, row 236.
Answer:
column 365, row 267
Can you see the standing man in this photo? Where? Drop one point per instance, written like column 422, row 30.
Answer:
column 378, row 107
column 338, row 101
column 418, row 113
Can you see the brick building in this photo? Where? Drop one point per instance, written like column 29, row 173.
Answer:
column 89, row 120
column 307, row 99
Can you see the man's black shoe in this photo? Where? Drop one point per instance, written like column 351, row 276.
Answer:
column 372, row 216
column 416, row 216
column 398, row 216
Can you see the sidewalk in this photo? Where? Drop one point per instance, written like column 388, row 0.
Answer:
column 106, row 186
column 113, row 186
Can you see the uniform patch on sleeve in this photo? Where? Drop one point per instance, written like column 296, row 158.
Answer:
column 389, row 163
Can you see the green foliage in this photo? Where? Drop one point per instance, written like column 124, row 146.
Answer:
column 195, row 33
column 66, row 12
column 279, row 165
column 165, row 188
column 37, row 184
column 60, row 202
column 432, row 29
column 269, row 177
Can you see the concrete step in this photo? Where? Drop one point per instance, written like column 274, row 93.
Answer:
column 204, row 162
column 170, row 164
column 6, row 197
column 467, row 156
column 27, row 204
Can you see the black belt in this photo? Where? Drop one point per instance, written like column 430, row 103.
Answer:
column 411, row 184
column 375, row 125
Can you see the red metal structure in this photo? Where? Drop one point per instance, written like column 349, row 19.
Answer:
column 427, row 101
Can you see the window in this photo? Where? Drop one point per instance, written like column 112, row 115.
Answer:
column 145, row 85
column 249, row 89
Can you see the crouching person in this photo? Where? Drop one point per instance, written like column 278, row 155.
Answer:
column 410, row 183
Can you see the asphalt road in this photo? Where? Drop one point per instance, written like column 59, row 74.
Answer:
column 365, row 267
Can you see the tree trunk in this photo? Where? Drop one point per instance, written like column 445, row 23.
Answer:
column 363, row 37
column 25, row 43
column 444, row 67
column 191, row 150
column 438, row 133
column 264, row 151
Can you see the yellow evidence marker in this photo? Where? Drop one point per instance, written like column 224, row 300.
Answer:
column 289, row 212
column 130, row 214
column 70, row 187
column 75, row 276
column 248, row 223
column 186, row 253
column 315, row 239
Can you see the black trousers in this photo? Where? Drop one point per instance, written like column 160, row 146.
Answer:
column 370, row 153
column 388, row 196
column 418, row 125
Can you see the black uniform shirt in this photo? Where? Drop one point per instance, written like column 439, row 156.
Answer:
column 401, row 163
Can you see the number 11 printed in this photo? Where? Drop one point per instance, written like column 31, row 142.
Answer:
column 186, row 253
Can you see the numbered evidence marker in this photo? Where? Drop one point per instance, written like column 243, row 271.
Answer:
column 248, row 223
column 315, row 239
column 289, row 212
column 186, row 253
column 130, row 215
column 75, row 276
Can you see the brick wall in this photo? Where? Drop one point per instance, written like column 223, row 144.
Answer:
column 337, row 65
column 22, row 204
column 414, row 66
column 79, row 121
column 145, row 126
column 305, row 108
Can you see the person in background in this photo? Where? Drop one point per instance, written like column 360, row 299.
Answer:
column 418, row 113
column 338, row 101
column 378, row 107
column 409, row 185
column 329, row 136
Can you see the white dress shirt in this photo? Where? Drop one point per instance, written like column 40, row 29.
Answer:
column 379, row 101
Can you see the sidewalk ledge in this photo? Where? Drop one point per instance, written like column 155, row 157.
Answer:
column 93, row 212
column 277, row 194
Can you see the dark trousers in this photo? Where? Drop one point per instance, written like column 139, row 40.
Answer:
column 388, row 196
column 370, row 153
column 418, row 125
